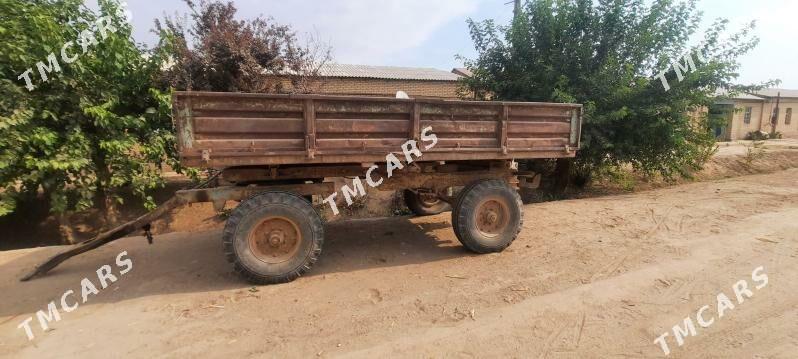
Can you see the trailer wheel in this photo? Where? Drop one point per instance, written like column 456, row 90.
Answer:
column 423, row 205
column 488, row 216
column 273, row 237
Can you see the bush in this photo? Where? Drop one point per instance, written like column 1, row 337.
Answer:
column 606, row 55
column 93, row 126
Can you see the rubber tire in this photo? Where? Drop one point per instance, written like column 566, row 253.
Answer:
column 463, row 216
column 415, row 204
column 244, row 217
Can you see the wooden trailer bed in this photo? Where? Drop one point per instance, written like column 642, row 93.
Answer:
column 222, row 130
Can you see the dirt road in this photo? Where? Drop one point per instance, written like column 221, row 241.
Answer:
column 601, row 277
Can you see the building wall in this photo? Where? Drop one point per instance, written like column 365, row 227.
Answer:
column 382, row 87
column 739, row 129
column 788, row 131
column 760, row 117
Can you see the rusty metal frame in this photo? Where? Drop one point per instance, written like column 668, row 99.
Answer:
column 220, row 195
column 375, row 157
column 439, row 182
column 262, row 174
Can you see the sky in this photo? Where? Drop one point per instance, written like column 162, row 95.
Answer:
column 430, row 33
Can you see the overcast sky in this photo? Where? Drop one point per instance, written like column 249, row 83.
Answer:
column 429, row 33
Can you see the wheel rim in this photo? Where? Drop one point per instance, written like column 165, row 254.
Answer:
column 492, row 216
column 275, row 239
column 428, row 200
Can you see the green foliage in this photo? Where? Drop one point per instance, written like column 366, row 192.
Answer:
column 94, row 127
column 606, row 55
column 216, row 52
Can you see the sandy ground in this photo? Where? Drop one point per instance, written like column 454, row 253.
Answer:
column 599, row 277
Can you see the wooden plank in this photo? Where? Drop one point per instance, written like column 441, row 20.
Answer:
column 503, row 128
column 350, row 106
column 470, row 118
column 461, row 126
column 246, row 114
column 540, row 111
column 539, row 119
column 467, row 143
column 362, row 116
column 415, row 129
column 537, row 142
column 250, row 145
column 576, row 128
column 538, row 127
column 247, row 125
column 184, row 123
column 265, row 105
column 360, row 135
column 355, row 144
column 249, row 136
column 310, row 127
column 460, row 110
column 361, row 126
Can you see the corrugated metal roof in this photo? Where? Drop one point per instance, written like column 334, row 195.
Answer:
column 387, row 72
column 773, row 92
column 745, row 96
column 739, row 96
column 462, row 71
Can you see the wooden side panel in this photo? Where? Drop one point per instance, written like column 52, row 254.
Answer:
column 231, row 129
column 250, row 125
column 245, row 126
column 542, row 127
column 362, row 125
column 463, row 126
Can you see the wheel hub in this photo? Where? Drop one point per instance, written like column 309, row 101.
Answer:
column 275, row 239
column 492, row 217
column 428, row 199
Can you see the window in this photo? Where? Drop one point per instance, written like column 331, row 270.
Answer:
column 747, row 118
column 788, row 116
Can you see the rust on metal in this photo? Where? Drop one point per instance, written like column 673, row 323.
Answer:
column 492, row 216
column 266, row 130
column 416, row 127
column 275, row 239
column 240, row 193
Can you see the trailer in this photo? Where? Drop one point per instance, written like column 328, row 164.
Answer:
column 273, row 153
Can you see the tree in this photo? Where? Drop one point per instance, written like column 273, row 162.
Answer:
column 86, row 121
column 629, row 63
column 219, row 53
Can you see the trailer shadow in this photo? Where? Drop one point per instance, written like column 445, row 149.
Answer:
column 194, row 262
